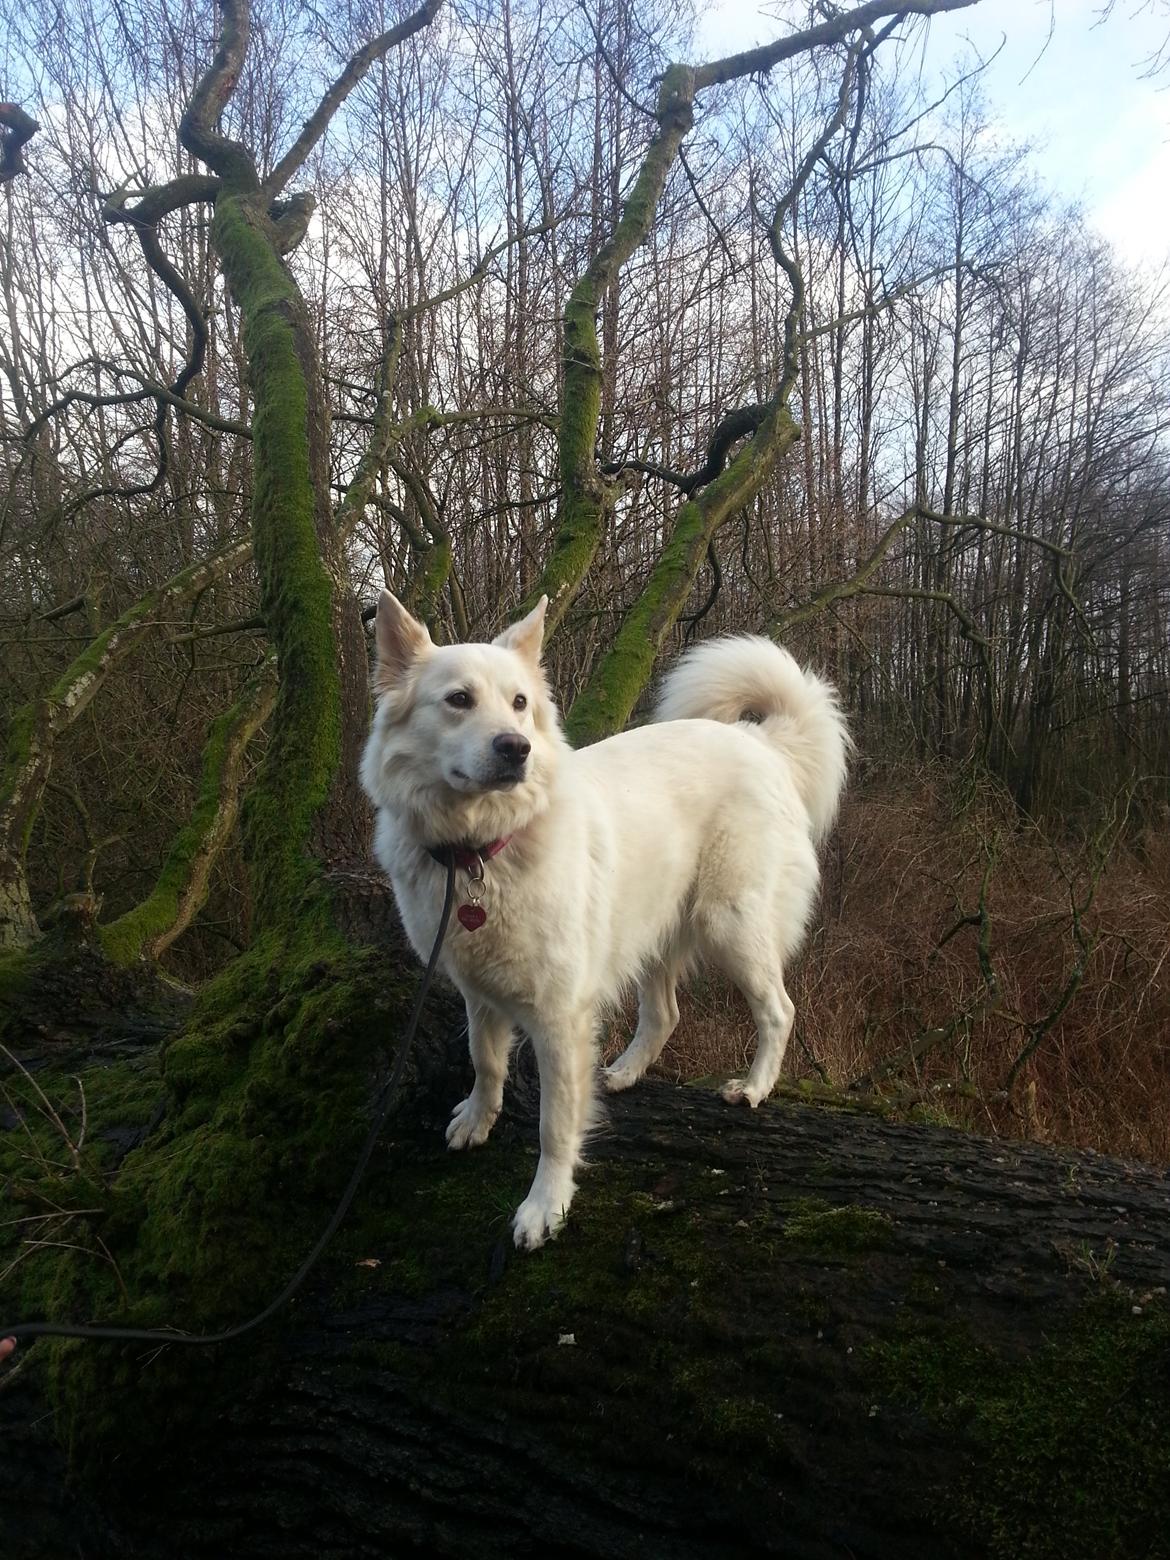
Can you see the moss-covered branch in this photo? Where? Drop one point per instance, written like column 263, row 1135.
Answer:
column 34, row 729
column 383, row 432
column 584, row 494
column 182, row 886
column 586, row 497
column 295, row 585
column 609, row 697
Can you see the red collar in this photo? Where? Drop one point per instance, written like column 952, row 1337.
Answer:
column 467, row 856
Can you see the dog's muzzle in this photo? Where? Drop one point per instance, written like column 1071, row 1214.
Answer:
column 509, row 756
column 512, row 749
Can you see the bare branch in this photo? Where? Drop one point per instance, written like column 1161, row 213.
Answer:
column 318, row 122
column 759, row 61
column 197, row 128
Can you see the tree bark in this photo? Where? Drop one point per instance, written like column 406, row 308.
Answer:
column 803, row 1332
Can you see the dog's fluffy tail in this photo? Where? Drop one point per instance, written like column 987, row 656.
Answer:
column 751, row 679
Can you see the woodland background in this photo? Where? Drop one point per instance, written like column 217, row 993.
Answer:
column 971, row 536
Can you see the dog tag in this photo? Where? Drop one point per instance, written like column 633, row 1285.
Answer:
column 472, row 916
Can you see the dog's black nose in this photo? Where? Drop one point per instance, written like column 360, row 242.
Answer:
column 511, row 747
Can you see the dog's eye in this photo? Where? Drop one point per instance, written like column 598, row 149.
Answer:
column 519, row 702
column 460, row 699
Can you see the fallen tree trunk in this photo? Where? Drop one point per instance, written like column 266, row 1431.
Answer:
column 802, row 1332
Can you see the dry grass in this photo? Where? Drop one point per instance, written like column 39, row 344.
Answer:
column 893, row 982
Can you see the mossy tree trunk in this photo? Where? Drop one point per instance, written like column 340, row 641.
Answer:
column 710, row 495
column 801, row 1332
column 586, row 498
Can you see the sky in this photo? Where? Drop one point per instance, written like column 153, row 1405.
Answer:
column 1100, row 133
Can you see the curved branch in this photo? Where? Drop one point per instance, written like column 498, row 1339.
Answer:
column 181, row 889
column 735, row 425
column 759, row 61
column 160, row 200
column 18, row 128
column 318, row 122
column 609, row 697
column 197, row 127
column 176, row 284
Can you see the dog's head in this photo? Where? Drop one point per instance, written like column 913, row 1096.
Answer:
column 465, row 738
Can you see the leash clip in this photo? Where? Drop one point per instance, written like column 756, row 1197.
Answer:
column 472, row 915
column 476, row 880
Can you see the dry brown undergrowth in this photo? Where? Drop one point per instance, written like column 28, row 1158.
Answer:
column 894, row 967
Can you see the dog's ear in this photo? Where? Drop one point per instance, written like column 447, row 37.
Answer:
column 401, row 640
column 526, row 636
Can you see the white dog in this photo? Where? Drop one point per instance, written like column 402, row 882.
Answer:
column 581, row 872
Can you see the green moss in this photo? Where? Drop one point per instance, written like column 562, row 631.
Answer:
column 840, row 1230
column 628, row 1319
column 225, row 1198
column 734, row 1420
column 295, row 589
column 811, row 1091
column 1069, row 1448
column 584, row 500
column 269, row 1082
column 608, row 699
column 430, row 570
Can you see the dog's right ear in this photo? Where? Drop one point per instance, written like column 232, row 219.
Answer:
column 401, row 640
column 526, row 636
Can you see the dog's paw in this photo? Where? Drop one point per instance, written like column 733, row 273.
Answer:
column 616, row 1078
column 736, row 1092
column 538, row 1218
column 470, row 1124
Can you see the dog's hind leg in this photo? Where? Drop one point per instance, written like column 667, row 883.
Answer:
column 490, row 1037
column 735, row 943
column 774, row 1013
column 565, row 1057
column 657, row 1016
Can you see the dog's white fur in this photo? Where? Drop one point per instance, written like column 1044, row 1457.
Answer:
column 691, row 837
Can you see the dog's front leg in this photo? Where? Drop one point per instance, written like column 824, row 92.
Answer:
column 489, row 1036
column 564, row 1055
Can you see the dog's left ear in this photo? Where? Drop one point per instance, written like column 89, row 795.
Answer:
column 526, row 636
